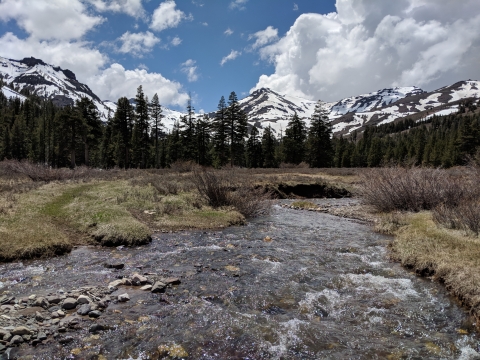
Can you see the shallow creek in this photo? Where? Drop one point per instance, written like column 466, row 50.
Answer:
column 323, row 288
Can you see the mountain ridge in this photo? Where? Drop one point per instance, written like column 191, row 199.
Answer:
column 264, row 107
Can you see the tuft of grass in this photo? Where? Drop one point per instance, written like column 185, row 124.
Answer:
column 448, row 255
column 304, row 205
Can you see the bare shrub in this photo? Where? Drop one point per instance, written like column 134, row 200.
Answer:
column 220, row 188
column 411, row 189
column 38, row 172
column 465, row 216
column 184, row 166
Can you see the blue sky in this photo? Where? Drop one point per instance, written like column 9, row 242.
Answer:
column 314, row 49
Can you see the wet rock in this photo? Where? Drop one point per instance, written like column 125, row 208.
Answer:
column 97, row 327
column 41, row 302
column 6, row 299
column 6, row 335
column 26, row 338
column 55, row 321
column 60, row 313
column 39, row 316
column 54, row 308
column 41, row 336
column 65, row 340
column 7, row 307
column 17, row 339
column 69, row 303
column 82, row 299
column 94, row 314
column 158, row 287
column 55, row 315
column 2, row 348
column 123, row 297
column 138, row 279
column 84, row 309
column 116, row 283
column 146, row 287
column 32, row 297
column 171, row 281
column 54, row 299
column 117, row 266
column 21, row 330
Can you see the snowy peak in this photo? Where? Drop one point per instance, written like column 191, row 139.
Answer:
column 48, row 81
column 373, row 100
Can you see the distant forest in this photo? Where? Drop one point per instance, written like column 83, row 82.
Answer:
column 135, row 137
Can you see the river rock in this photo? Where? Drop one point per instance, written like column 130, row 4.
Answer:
column 54, row 299
column 123, row 297
column 7, row 336
column 69, row 303
column 82, row 299
column 158, row 287
column 84, row 309
column 146, row 287
column 32, row 297
column 41, row 336
column 21, row 330
column 39, row 316
column 116, row 283
column 54, row 315
column 7, row 300
column 65, row 340
column 138, row 279
column 27, row 338
column 267, row 239
column 117, row 266
column 41, row 302
column 17, row 339
column 171, row 281
column 2, row 347
column 97, row 327
column 60, row 313
column 94, row 314
column 54, row 308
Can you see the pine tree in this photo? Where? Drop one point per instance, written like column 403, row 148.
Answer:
column 140, row 138
column 203, row 127
column 122, row 132
column 237, row 130
column 294, row 140
column 319, row 143
column 187, row 133
column 92, row 131
column 156, row 115
column 268, row 148
column 220, row 134
column 254, row 149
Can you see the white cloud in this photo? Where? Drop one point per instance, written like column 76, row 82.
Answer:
column 264, row 37
column 176, row 41
column 50, row 20
column 166, row 16
column 232, row 56
column 190, row 69
column 371, row 44
column 137, row 44
column 228, row 32
column 115, row 82
column 238, row 4
column 130, row 7
column 295, row 7
column 204, row 23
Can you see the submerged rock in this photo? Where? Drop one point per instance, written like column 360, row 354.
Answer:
column 117, row 266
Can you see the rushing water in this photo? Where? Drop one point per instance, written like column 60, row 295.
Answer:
column 324, row 288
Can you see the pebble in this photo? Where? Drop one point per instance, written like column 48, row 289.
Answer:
column 84, row 309
column 82, row 299
column 39, row 316
column 60, row 313
column 123, row 297
column 138, row 279
column 116, row 283
column 117, row 266
column 41, row 336
column 54, row 299
column 158, row 287
column 17, row 339
column 94, row 314
column 171, row 281
column 32, row 297
column 21, row 330
column 146, row 287
column 41, row 302
column 69, row 303
column 97, row 327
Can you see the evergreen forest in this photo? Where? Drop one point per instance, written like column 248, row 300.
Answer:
column 135, row 137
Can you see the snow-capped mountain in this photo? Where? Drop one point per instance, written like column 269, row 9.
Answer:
column 264, row 107
column 55, row 83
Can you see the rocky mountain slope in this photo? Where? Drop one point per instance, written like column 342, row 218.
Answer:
column 264, row 107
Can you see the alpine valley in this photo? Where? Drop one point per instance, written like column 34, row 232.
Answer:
column 263, row 106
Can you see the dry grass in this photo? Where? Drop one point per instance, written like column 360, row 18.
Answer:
column 450, row 256
column 304, row 205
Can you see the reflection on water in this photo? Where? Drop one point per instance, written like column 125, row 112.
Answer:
column 322, row 289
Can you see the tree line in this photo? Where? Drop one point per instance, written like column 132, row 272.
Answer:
column 135, row 136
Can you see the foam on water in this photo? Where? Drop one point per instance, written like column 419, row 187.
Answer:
column 288, row 335
column 400, row 288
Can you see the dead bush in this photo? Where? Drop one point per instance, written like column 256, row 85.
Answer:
column 411, row 189
column 220, row 188
column 465, row 216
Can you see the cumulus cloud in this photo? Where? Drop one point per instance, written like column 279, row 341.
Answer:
column 176, row 41
column 371, row 44
column 71, row 21
column 115, row 82
column 137, row 44
column 130, row 7
column 228, row 32
column 264, row 37
column 232, row 56
column 238, row 4
column 167, row 16
column 190, row 69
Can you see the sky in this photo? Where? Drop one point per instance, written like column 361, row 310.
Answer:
column 314, row 49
